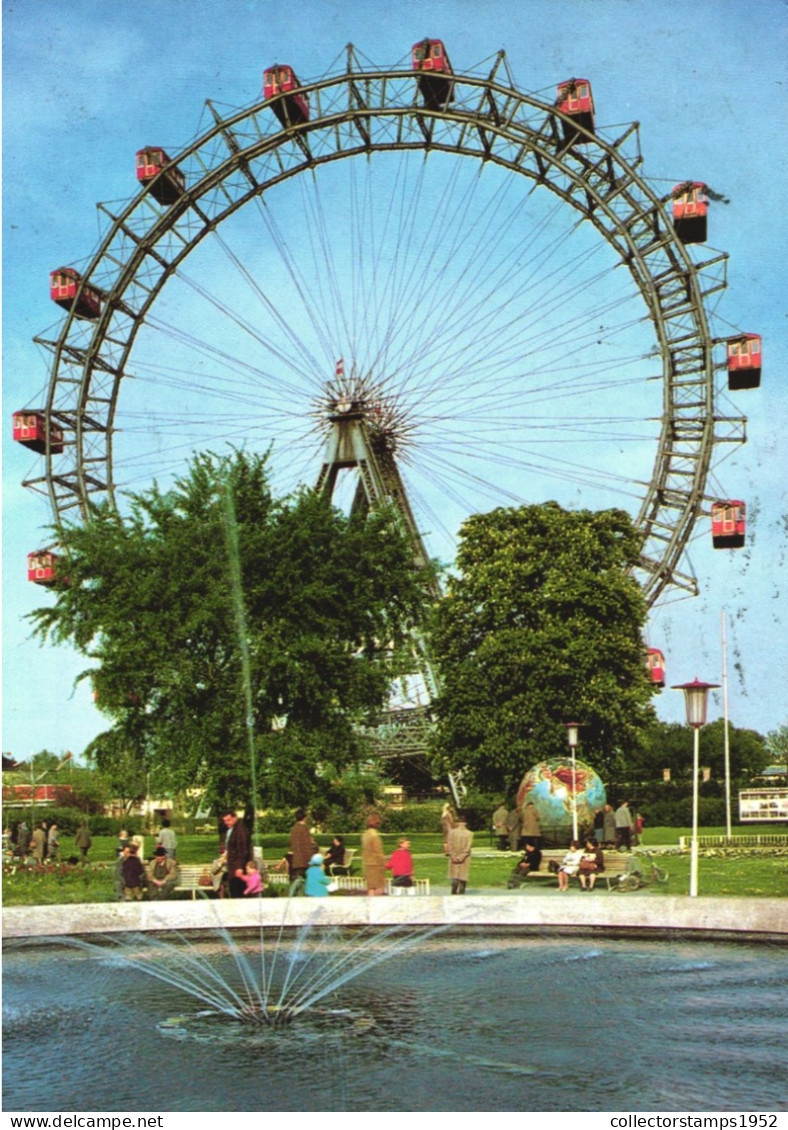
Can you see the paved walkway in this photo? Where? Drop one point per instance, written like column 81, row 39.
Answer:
column 723, row 918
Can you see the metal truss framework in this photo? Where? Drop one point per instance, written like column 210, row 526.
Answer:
column 355, row 114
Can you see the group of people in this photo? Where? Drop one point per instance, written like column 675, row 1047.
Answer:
column 158, row 878
column 42, row 843
column 515, row 826
column 613, row 828
column 236, row 874
column 584, row 861
column 374, row 864
column 617, row 828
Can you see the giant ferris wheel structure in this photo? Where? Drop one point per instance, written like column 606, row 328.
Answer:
column 438, row 328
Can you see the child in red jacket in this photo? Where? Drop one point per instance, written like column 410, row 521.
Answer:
column 401, row 867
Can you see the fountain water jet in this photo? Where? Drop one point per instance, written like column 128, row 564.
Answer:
column 257, row 997
column 421, row 1033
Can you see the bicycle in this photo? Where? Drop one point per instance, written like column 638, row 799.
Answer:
column 641, row 871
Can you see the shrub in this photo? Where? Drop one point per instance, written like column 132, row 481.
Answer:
column 413, row 818
column 106, row 825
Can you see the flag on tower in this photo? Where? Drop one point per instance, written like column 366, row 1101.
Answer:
column 340, row 369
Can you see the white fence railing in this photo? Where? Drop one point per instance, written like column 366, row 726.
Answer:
column 769, row 839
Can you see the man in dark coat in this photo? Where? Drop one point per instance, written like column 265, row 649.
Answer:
column 239, row 852
column 302, row 846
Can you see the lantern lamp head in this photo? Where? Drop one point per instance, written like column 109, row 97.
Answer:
column 695, row 701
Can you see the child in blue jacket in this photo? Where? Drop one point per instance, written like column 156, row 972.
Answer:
column 316, row 882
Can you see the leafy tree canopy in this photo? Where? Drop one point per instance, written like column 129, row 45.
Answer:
column 541, row 626
column 328, row 602
column 777, row 745
column 668, row 745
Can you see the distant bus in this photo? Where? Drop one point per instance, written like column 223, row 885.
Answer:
column 763, row 806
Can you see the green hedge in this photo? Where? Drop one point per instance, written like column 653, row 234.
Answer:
column 68, row 819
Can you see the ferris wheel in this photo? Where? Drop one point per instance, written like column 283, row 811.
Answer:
column 477, row 283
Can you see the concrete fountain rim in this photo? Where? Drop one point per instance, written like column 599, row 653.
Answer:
column 743, row 919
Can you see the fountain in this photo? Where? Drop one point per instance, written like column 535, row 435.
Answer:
column 273, row 985
column 390, row 1017
column 482, row 1021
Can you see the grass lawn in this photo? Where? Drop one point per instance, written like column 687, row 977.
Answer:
column 736, row 873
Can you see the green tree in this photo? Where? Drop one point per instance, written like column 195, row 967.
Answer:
column 328, row 604
column 668, row 745
column 541, row 626
column 777, row 745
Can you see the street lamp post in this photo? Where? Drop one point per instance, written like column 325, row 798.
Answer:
column 695, row 701
column 571, row 735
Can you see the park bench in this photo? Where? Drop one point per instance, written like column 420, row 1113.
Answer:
column 616, row 865
column 190, row 874
column 346, row 866
column 356, row 883
column 189, row 878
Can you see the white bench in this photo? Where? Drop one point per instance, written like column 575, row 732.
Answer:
column 353, row 883
column 190, row 874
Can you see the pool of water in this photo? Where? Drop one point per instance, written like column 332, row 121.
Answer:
column 466, row 1023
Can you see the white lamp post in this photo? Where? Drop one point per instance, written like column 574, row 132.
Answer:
column 571, row 735
column 695, row 700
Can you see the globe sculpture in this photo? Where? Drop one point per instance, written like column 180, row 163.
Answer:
column 550, row 785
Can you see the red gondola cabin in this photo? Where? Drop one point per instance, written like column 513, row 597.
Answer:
column 432, row 63
column 728, row 524
column 744, row 362
column 576, row 101
column 64, row 286
column 690, row 211
column 167, row 184
column 42, row 567
column 30, row 429
column 655, row 661
column 292, row 108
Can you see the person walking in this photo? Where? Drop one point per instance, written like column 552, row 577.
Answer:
column 401, row 867
column 39, row 842
column 168, row 839
column 302, row 845
column 459, row 852
column 624, row 825
column 499, row 826
column 513, row 828
column 239, row 852
column 22, row 840
column 530, row 825
column 599, row 826
column 83, row 841
column 123, row 855
column 373, row 860
column 53, row 843
column 317, row 882
column 609, row 826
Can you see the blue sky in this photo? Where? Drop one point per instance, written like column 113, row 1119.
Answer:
column 86, row 84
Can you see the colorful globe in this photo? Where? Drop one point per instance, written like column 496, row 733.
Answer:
column 550, row 785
